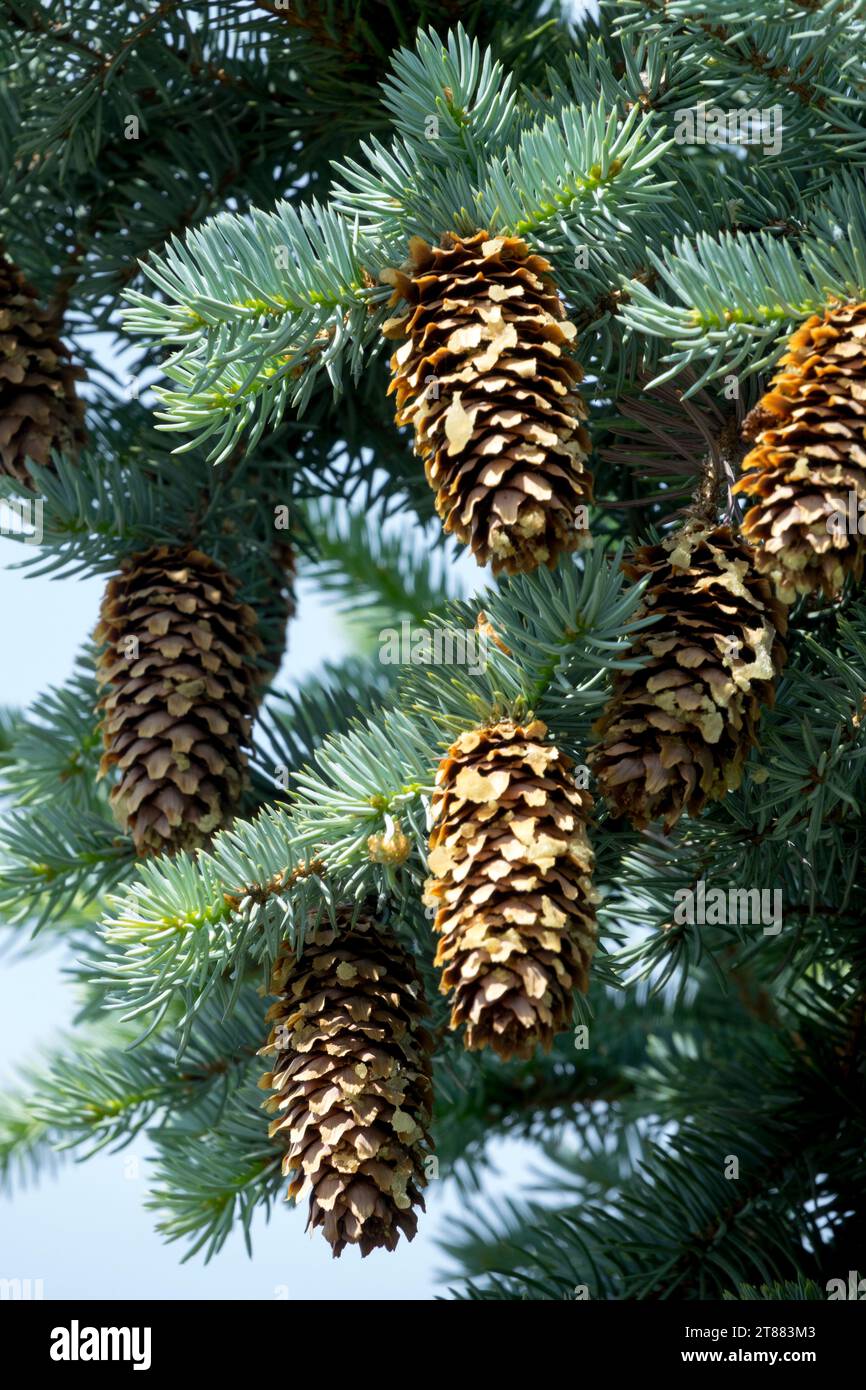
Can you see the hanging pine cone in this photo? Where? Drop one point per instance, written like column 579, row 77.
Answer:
column 486, row 379
column 511, row 864
column 352, row 1082
column 676, row 732
column 39, row 411
column 809, row 456
column 180, row 666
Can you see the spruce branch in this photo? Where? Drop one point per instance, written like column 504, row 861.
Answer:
column 56, row 865
column 710, row 1236
column 586, row 163
column 553, row 637
column 256, row 308
column 98, row 1094
column 186, row 924
column 449, row 101
column 293, row 724
column 207, row 1182
column 369, row 573
column 25, row 1152
column 54, row 750
column 736, row 300
column 680, row 262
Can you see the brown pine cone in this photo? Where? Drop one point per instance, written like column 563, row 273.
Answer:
column 675, row 733
column 511, row 864
column 39, row 410
column 807, row 472
column 180, row 666
column 352, row 1081
column 487, row 380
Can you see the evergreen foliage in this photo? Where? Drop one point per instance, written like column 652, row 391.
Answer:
column 218, row 187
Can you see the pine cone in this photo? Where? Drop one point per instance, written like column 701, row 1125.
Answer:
column 511, row 860
column 39, row 410
column 676, row 732
column 810, row 454
column 487, row 380
column 180, row 664
column 352, row 1082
